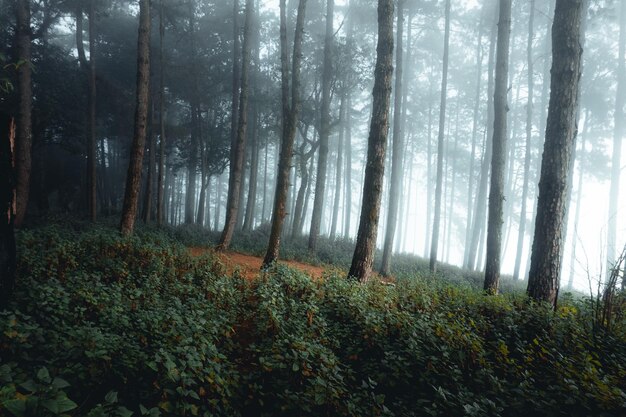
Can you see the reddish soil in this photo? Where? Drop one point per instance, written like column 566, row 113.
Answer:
column 250, row 266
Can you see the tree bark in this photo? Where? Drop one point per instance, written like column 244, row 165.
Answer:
column 133, row 177
column 348, row 170
column 238, row 149
column 498, row 161
column 529, row 135
column 23, row 139
column 7, row 208
column 290, row 114
column 322, row 161
column 434, row 243
column 545, row 268
column 397, row 169
column 363, row 258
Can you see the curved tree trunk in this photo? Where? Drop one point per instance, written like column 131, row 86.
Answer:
column 498, row 161
column 133, row 177
column 290, row 113
column 363, row 258
column 545, row 267
column 434, row 243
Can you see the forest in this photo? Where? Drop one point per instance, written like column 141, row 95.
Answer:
column 312, row 208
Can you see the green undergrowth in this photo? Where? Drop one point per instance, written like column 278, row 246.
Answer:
column 107, row 326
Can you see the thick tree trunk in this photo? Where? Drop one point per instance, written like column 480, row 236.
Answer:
column 238, row 149
column 7, row 208
column 290, row 114
column 397, row 170
column 481, row 198
column 363, row 258
column 133, row 177
column 322, row 161
column 23, row 139
column 498, row 161
column 529, row 135
column 545, row 268
column 434, row 243
column 194, row 102
column 162, row 138
column 618, row 133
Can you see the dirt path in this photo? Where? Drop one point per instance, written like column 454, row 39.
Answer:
column 249, row 266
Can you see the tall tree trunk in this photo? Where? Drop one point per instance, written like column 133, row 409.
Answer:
column 434, row 244
column 348, row 170
column 363, row 258
column 238, row 149
column 337, row 187
column 529, row 135
column 618, row 133
column 481, row 198
column 23, row 139
column 429, row 174
column 133, row 177
column 498, row 161
column 7, row 208
column 545, row 90
column 162, row 138
column 470, row 187
column 148, row 196
column 545, row 268
column 452, row 158
column 194, row 102
column 397, row 170
column 290, row 114
column 322, row 161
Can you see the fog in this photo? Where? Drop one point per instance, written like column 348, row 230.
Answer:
column 83, row 102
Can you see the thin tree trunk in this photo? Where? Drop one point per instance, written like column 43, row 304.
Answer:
column 579, row 192
column 618, row 133
column 133, row 177
column 238, row 149
column 322, row 162
column 434, row 244
column 23, row 139
column 397, row 169
column 8, row 261
column 348, row 169
column 452, row 189
column 481, row 197
column 339, row 167
column 429, row 175
column 470, row 187
column 545, row 268
column 290, row 114
column 147, row 207
column 529, row 135
column 363, row 258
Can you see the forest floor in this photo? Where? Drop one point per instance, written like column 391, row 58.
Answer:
column 250, row 266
